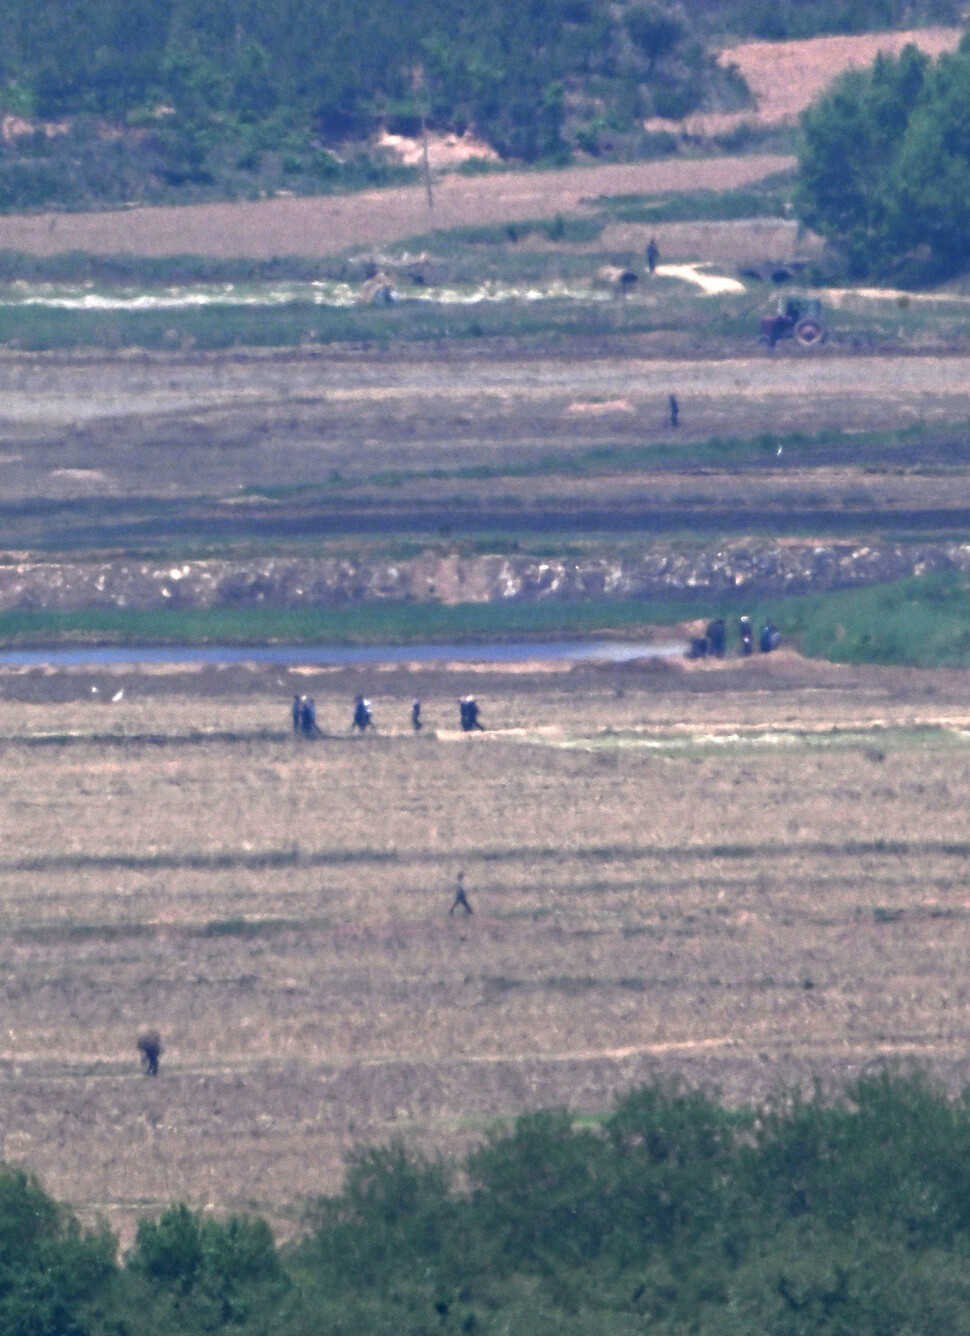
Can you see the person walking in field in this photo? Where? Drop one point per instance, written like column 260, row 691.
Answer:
column 461, row 899
column 308, row 718
column 363, row 718
column 416, row 716
column 149, row 1045
column 653, row 255
column 468, row 714
column 674, row 408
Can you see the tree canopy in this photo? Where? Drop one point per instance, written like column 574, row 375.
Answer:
column 884, row 165
column 673, row 1213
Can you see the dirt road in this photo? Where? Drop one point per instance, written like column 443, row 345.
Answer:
column 170, row 453
column 328, row 225
column 50, row 391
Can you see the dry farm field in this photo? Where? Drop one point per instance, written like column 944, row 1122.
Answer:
column 749, row 873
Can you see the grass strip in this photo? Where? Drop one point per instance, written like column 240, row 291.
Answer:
column 373, row 623
column 923, row 621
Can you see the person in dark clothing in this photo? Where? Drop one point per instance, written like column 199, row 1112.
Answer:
column 717, row 638
column 468, row 711
column 674, row 410
column 770, row 638
column 416, row 716
column 461, row 899
column 308, row 718
column 297, row 714
column 149, row 1045
column 653, row 255
column 747, row 636
column 362, row 714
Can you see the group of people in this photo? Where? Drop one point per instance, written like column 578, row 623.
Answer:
column 305, row 716
column 713, row 643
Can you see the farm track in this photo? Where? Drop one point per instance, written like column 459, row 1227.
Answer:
column 331, row 224
column 323, row 456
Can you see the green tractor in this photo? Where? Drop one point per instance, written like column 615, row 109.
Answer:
column 798, row 318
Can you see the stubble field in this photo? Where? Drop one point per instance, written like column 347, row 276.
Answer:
column 749, row 873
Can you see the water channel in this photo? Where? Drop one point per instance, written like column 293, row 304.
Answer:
column 505, row 652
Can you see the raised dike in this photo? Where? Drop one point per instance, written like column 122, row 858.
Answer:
column 762, row 568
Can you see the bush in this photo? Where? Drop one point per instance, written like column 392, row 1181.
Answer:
column 52, row 1273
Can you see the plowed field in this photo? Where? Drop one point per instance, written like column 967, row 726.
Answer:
column 749, row 873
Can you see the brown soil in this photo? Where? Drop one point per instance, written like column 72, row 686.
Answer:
column 328, row 225
column 786, row 77
column 296, row 453
column 661, row 883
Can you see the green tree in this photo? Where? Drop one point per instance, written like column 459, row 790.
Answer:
column 655, row 32
column 851, row 140
column 928, row 185
column 191, row 1273
column 52, row 1272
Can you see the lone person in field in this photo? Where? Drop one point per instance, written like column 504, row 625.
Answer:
column 461, row 899
column 149, row 1045
column 653, row 255
column 416, row 716
column 674, row 407
column 468, row 713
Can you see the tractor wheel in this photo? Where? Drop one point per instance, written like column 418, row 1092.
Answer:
column 809, row 332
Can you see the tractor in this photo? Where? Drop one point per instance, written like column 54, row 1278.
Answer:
column 799, row 319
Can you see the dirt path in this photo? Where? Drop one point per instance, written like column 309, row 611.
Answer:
column 327, row 225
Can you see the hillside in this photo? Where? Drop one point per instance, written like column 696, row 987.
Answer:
column 180, row 101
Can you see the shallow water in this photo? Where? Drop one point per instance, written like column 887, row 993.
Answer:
column 513, row 651
column 88, row 297
column 330, row 292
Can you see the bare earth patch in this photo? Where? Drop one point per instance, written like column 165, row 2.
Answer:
column 786, row 77
column 327, row 225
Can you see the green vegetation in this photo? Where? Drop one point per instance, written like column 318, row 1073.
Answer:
column 672, row 1213
column 924, row 621
column 183, row 99
column 775, row 20
column 354, row 624
column 885, row 166
column 217, row 100
column 771, row 198
column 295, row 324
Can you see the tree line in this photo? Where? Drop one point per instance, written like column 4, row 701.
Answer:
column 287, row 73
column 172, row 99
column 884, row 166
column 674, row 1213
